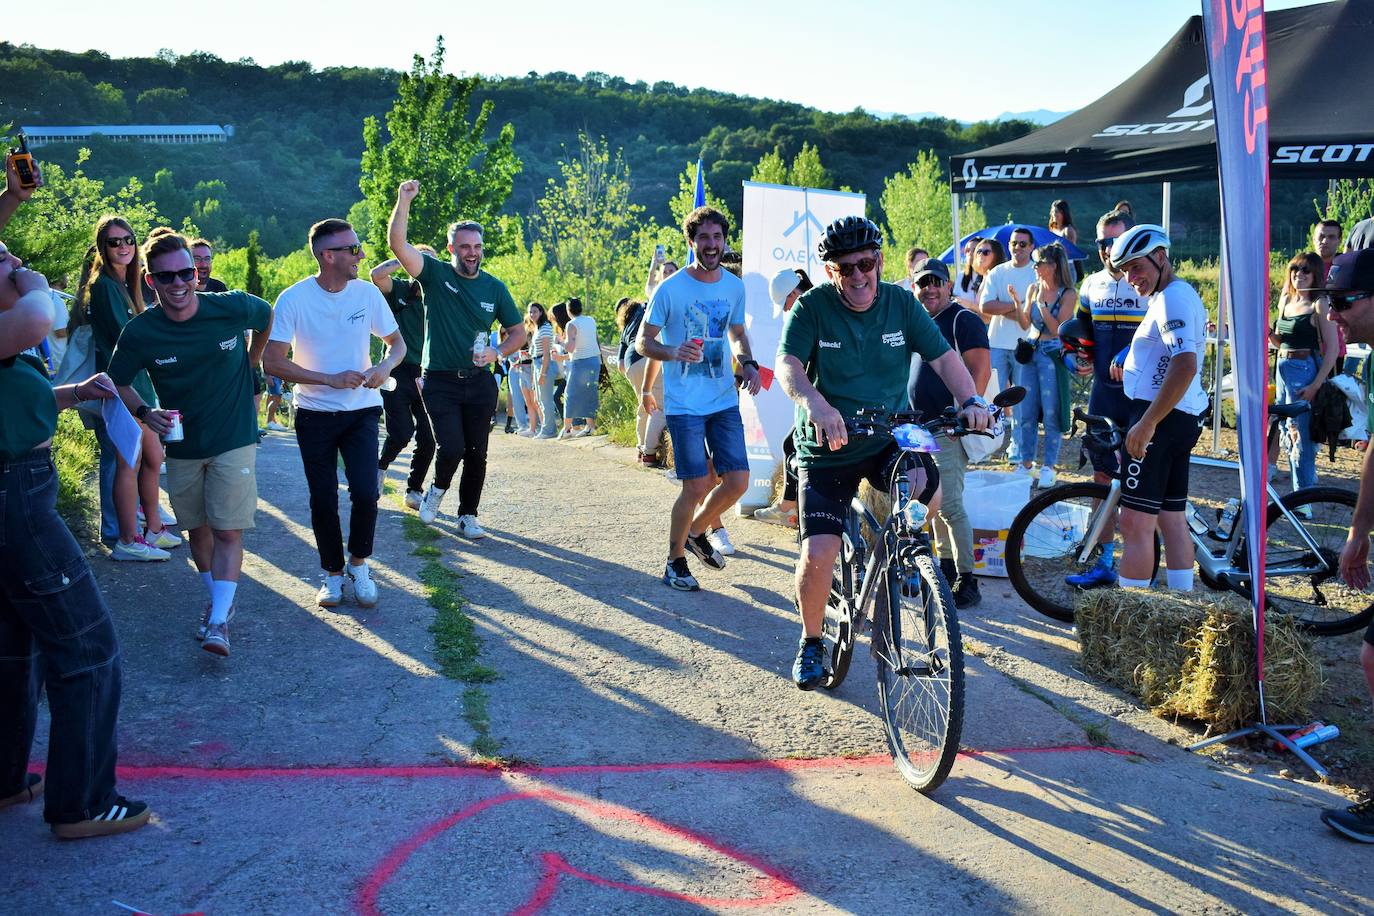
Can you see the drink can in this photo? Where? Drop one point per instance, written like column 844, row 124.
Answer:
column 176, row 433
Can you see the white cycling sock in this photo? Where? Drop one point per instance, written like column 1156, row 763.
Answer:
column 1132, row 583
column 1179, row 580
column 221, row 597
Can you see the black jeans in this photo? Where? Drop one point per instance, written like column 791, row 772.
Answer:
column 321, row 437
column 406, row 417
column 460, row 406
column 54, row 626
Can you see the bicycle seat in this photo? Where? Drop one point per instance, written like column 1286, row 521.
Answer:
column 1290, row 410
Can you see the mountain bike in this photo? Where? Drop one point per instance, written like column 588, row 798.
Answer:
column 1062, row 532
column 886, row 571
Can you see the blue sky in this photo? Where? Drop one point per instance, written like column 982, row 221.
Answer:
column 967, row 60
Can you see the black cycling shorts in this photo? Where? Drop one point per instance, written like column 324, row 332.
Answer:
column 1159, row 481
column 826, row 492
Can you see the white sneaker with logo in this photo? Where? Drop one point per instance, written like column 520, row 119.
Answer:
column 1047, row 477
column 720, row 539
column 429, row 506
column 413, row 499
column 163, row 540
column 331, row 593
column 138, row 550
column 275, row 426
column 468, row 527
column 364, row 588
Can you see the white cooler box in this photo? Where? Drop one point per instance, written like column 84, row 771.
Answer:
column 992, row 499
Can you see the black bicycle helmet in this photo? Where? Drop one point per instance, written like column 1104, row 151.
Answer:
column 847, row 235
column 1073, row 335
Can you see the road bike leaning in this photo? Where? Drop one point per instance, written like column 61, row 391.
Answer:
column 1061, row 532
column 886, row 573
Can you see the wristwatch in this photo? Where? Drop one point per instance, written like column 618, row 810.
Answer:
column 142, row 411
column 974, row 401
column 750, row 362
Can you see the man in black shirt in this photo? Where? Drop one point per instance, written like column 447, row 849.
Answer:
column 203, row 256
column 967, row 334
column 405, row 408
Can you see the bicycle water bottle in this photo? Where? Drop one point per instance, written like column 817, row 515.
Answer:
column 1226, row 522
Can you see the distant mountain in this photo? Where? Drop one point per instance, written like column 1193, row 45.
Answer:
column 1039, row 116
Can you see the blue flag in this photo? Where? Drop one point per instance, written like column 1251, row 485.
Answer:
column 698, row 200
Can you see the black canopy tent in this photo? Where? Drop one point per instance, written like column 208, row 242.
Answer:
column 1157, row 125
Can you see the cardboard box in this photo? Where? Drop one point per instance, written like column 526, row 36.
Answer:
column 989, row 552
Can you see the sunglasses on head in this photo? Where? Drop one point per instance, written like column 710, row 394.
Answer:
column 166, row 277
column 120, row 241
column 863, row 265
column 354, row 250
column 1343, row 303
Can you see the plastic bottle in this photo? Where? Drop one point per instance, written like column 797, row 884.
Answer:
column 914, row 514
column 479, row 344
column 1227, row 522
column 1325, row 733
column 389, row 384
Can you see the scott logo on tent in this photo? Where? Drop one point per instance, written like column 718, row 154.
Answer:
column 1010, row 171
column 1197, row 101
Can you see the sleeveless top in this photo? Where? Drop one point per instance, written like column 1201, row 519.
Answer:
column 1298, row 332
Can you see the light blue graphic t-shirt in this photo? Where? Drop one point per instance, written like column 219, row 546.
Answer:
column 686, row 308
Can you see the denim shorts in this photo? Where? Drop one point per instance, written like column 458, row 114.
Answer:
column 717, row 436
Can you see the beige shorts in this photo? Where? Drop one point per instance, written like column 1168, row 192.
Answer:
column 220, row 491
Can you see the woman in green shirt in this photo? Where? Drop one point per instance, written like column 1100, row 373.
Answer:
column 112, row 294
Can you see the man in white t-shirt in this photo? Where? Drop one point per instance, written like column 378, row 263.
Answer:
column 914, row 255
column 1162, row 378
column 998, row 307
column 328, row 321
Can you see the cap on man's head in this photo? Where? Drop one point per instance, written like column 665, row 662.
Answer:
column 782, row 284
column 931, row 267
column 1349, row 272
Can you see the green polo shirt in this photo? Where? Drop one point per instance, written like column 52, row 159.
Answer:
column 199, row 367
column 28, row 408
column 457, row 309
column 856, row 360
column 407, row 303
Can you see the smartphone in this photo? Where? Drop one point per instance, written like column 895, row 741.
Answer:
column 658, row 252
column 23, row 164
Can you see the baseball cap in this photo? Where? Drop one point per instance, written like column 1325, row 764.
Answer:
column 1353, row 270
column 931, row 267
column 782, row 284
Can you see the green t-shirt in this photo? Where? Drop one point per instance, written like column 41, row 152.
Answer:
column 109, row 313
column 856, row 359
column 199, row 367
column 407, row 303
column 28, row 409
column 457, row 309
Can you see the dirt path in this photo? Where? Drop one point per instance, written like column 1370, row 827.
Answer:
column 662, row 759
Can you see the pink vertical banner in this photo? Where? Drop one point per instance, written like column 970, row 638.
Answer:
column 1236, row 63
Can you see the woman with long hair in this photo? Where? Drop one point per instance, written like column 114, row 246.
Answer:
column 649, row 424
column 983, row 257
column 545, row 373
column 560, row 318
column 584, row 372
column 112, row 293
column 1308, row 348
column 1061, row 224
column 522, row 387
column 1050, row 300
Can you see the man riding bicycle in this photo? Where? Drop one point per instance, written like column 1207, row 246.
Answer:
column 1162, row 377
column 847, row 345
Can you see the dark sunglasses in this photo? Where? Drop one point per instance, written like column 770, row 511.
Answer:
column 1105, row 243
column 1347, row 302
column 122, row 241
column 926, row 282
column 983, row 251
column 1021, row 244
column 166, row 277
column 864, row 265
column 354, row 250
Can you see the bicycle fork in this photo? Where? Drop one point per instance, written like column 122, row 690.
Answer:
column 1104, row 516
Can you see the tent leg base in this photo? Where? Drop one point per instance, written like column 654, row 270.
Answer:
column 1273, row 731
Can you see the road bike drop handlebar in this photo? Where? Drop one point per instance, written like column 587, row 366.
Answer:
column 903, row 424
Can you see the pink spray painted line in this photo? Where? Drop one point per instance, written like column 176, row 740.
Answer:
column 770, row 886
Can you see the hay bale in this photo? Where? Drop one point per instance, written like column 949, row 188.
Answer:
column 1193, row 655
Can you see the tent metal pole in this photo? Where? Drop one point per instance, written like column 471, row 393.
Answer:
column 954, row 221
column 1219, row 357
column 1166, row 204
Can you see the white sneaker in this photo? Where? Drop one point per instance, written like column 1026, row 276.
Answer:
column 275, row 426
column 413, row 498
column 168, row 519
column 720, row 539
column 776, row 515
column 364, row 588
column 1047, row 477
column 1024, row 471
column 468, row 527
column 164, row 539
column 429, row 506
column 671, row 475
column 331, row 593
column 138, row 550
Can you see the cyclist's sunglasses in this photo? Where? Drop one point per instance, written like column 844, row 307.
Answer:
column 1344, row 303
column 165, row 277
column 354, row 250
column 863, row 265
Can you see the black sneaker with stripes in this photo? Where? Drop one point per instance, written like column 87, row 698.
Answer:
column 121, row 816
column 705, row 551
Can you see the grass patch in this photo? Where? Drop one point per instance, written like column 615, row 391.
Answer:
column 475, row 712
column 618, row 411
column 76, row 456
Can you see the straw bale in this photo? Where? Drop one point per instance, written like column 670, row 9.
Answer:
column 1193, row 655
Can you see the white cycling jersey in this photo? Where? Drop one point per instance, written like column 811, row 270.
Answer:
column 1175, row 322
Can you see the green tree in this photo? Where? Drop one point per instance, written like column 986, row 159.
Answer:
column 1349, row 201
column 428, row 137
column 252, row 281
column 771, row 168
column 917, row 206
column 807, row 171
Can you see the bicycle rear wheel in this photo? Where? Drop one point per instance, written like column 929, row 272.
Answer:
column 1313, row 596
column 1044, row 541
column 920, row 662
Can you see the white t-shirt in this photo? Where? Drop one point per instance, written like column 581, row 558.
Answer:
column 1175, row 322
column 586, row 337
column 57, row 346
column 332, row 332
column 1003, row 331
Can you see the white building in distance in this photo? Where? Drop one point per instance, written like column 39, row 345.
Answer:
column 142, row 133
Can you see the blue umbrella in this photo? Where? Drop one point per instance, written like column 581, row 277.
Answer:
column 1040, row 234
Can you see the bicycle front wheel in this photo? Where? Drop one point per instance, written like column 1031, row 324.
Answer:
column 920, row 662
column 1045, row 540
column 838, row 627
column 1302, row 582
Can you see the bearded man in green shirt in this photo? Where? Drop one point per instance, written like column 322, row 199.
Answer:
column 847, row 345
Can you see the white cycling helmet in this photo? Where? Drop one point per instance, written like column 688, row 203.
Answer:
column 1137, row 242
